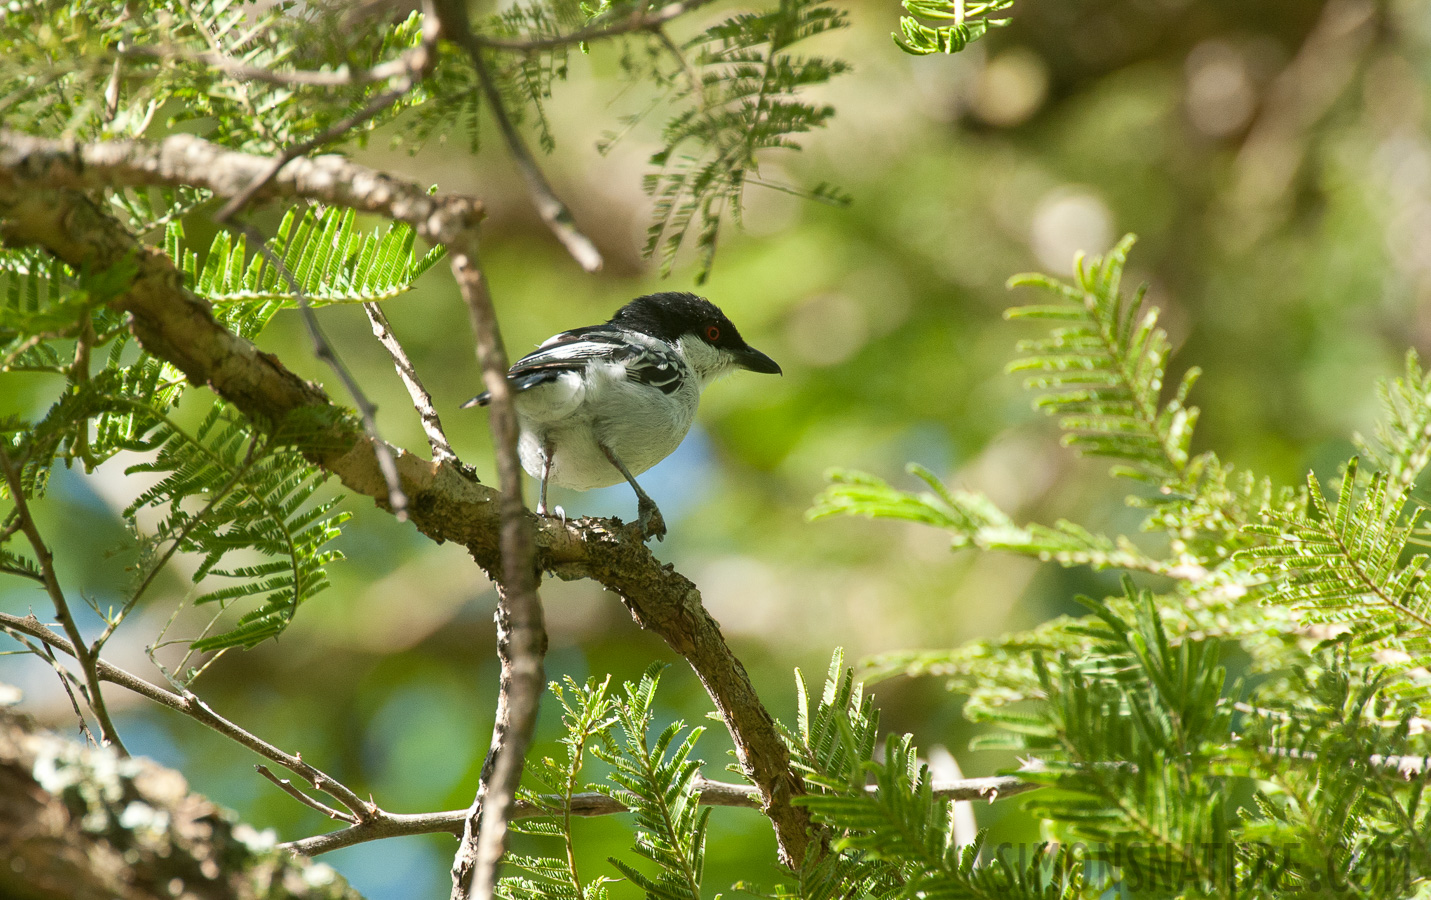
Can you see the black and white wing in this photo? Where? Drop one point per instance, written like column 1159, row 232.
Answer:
column 575, row 350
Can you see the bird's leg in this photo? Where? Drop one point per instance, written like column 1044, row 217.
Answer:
column 546, row 474
column 649, row 518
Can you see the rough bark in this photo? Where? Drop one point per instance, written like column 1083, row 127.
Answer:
column 80, row 823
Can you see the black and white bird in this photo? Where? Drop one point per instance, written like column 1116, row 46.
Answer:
column 607, row 402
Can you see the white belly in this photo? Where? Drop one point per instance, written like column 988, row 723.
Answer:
column 639, row 424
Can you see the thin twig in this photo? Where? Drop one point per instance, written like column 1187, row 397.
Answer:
column 191, row 706
column 421, row 399
column 287, row 787
column 521, row 633
column 456, row 28
column 419, row 63
column 154, row 570
column 340, row 77
column 641, row 20
column 397, row 498
column 374, row 107
column 549, row 206
column 710, row 793
column 46, row 652
column 46, row 559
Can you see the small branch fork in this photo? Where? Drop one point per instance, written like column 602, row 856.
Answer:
column 404, row 74
column 710, row 793
column 359, row 810
column 82, row 653
column 421, row 399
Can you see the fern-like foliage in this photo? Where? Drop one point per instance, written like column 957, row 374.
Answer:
column 323, row 252
column 974, row 521
column 892, row 835
column 833, row 740
column 147, row 210
column 746, row 100
column 57, row 53
column 588, row 714
column 1350, row 563
column 1402, row 442
column 656, row 781
column 1101, row 372
column 225, row 490
column 968, row 21
column 1345, row 743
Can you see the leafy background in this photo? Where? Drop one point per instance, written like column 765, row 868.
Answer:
column 1284, row 215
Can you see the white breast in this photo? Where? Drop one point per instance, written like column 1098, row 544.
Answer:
column 641, row 424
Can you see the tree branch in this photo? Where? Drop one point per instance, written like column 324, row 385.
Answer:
column 409, row 62
column 521, row 633
column 39, row 204
column 82, row 653
column 642, row 19
column 421, row 399
column 196, row 709
column 182, row 160
column 710, row 793
column 550, row 208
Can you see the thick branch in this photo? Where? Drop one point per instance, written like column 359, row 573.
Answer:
column 447, row 503
column 77, row 823
column 186, row 160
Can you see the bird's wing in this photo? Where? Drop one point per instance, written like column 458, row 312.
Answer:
column 576, row 349
column 652, row 366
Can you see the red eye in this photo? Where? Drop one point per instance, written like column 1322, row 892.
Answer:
column 713, row 333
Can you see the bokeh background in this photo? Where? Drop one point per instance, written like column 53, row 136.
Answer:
column 1272, row 157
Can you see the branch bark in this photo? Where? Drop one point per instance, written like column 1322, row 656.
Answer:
column 712, row 793
column 41, row 204
column 196, row 709
column 521, row 633
column 79, row 823
column 84, row 655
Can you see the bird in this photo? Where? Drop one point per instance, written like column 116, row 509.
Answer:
column 603, row 403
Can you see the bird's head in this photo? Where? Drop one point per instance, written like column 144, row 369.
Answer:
column 710, row 341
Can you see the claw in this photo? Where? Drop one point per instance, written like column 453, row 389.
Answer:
column 651, row 522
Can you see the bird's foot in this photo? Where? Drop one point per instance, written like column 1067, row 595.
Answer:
column 555, row 512
column 649, row 521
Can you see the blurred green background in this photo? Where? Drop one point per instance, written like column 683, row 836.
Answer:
column 1274, row 160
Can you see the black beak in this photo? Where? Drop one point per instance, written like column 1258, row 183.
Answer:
column 752, row 359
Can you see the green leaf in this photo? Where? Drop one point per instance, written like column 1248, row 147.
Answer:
column 322, row 251
column 226, row 490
